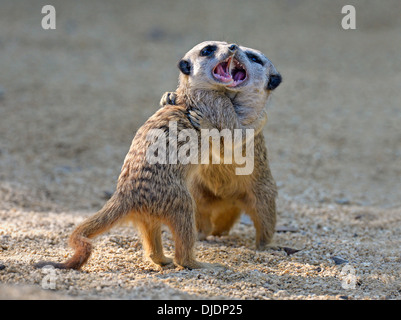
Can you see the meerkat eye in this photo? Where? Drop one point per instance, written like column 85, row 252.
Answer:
column 254, row 58
column 208, row 50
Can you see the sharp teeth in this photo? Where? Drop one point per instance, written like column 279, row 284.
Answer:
column 230, row 65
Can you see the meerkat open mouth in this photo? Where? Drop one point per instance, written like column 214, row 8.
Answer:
column 230, row 71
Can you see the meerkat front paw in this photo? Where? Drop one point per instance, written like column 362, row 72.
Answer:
column 168, row 98
column 195, row 117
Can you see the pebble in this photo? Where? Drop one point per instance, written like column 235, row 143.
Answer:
column 342, row 201
column 290, row 251
column 338, row 260
column 286, row 229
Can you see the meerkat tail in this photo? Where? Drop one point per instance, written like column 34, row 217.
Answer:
column 113, row 211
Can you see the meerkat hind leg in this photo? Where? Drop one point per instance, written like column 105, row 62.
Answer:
column 182, row 226
column 152, row 241
column 263, row 215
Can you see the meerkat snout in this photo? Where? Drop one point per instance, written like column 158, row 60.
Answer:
column 233, row 47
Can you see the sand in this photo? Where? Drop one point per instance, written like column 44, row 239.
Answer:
column 72, row 98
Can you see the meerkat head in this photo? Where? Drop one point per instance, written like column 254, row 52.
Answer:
column 219, row 65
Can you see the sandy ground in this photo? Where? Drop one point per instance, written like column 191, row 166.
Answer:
column 72, row 98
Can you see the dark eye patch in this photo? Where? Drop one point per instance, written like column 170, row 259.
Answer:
column 208, row 50
column 254, row 58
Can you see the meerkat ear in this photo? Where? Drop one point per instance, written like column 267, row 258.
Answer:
column 274, row 81
column 185, row 66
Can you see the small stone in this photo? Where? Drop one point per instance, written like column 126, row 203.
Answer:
column 342, row 201
column 2, row 266
column 286, row 229
column 290, row 251
column 338, row 260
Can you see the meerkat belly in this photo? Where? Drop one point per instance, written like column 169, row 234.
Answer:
column 221, row 181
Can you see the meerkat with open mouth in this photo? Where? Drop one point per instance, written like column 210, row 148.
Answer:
column 248, row 78
column 152, row 194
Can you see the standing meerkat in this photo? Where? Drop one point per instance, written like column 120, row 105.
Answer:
column 218, row 191
column 152, row 194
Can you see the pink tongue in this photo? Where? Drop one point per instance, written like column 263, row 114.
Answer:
column 240, row 75
column 220, row 70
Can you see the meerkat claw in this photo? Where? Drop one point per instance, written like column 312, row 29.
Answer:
column 194, row 117
column 168, row 98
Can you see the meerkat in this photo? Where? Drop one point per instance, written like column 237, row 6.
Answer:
column 217, row 208
column 152, row 194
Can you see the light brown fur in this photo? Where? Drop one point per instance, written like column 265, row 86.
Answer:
column 154, row 194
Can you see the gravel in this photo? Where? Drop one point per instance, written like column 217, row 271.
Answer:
column 329, row 239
